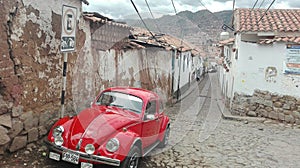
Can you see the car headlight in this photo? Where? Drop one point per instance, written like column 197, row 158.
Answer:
column 57, row 131
column 89, row 149
column 58, row 140
column 112, row 145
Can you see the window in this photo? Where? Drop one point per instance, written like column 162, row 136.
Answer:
column 151, row 107
column 161, row 107
column 121, row 100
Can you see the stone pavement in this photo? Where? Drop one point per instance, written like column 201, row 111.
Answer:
column 209, row 139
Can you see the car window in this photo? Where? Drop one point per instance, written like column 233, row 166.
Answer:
column 151, row 107
column 161, row 107
column 121, row 100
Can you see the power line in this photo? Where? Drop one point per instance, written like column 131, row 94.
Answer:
column 174, row 7
column 262, row 2
column 251, row 10
column 181, row 31
column 209, row 10
column 254, row 4
column 266, row 11
column 153, row 17
column 143, row 20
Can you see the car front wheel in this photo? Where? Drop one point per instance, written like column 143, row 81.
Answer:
column 165, row 141
column 132, row 160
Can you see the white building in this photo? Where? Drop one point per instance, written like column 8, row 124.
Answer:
column 263, row 55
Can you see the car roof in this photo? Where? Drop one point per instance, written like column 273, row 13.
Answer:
column 139, row 92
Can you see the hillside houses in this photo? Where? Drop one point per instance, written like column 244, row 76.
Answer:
column 260, row 72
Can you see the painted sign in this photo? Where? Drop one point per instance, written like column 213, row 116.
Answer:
column 270, row 74
column 68, row 33
column 292, row 61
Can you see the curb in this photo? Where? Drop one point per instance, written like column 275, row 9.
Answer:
column 228, row 116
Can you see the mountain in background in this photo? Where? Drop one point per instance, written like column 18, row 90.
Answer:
column 202, row 28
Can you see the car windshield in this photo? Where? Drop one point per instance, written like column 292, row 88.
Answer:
column 122, row 100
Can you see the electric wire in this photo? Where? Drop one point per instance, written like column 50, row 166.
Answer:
column 181, row 29
column 251, row 10
column 209, row 10
column 137, row 11
column 224, row 26
column 153, row 17
column 262, row 2
column 258, row 8
column 265, row 13
column 174, row 7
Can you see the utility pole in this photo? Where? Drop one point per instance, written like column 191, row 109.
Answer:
column 178, row 83
column 68, row 44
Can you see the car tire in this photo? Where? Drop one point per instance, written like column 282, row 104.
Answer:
column 132, row 160
column 165, row 141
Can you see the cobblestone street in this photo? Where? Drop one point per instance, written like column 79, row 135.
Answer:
column 200, row 137
column 203, row 139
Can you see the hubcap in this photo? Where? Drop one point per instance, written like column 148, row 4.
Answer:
column 167, row 136
column 134, row 160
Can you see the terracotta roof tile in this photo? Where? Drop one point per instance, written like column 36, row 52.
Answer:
column 277, row 20
column 226, row 42
column 96, row 17
column 292, row 39
column 163, row 40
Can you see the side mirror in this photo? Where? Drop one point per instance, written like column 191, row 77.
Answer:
column 149, row 117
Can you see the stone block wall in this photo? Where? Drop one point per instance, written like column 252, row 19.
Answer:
column 31, row 69
column 269, row 105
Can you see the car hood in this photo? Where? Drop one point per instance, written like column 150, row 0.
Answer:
column 95, row 126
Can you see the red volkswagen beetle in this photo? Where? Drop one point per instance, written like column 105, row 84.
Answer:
column 122, row 125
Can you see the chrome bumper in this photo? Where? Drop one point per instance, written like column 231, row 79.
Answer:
column 85, row 156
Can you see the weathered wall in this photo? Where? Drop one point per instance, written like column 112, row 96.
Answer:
column 31, row 69
column 265, row 104
column 252, row 68
column 148, row 68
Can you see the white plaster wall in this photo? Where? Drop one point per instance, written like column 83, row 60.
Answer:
column 185, row 70
column 249, row 69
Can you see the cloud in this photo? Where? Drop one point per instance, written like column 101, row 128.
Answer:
column 294, row 3
column 118, row 9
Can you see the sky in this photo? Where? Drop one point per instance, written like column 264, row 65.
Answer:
column 123, row 9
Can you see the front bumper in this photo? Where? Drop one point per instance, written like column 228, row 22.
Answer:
column 84, row 156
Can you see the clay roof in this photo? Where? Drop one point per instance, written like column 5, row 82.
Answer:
column 291, row 39
column 163, row 40
column 96, row 17
column 226, row 42
column 275, row 20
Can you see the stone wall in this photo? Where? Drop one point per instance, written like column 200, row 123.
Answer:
column 265, row 104
column 31, row 69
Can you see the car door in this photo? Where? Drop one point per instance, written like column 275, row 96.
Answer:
column 150, row 127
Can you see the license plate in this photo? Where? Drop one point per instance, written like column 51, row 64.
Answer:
column 86, row 165
column 54, row 156
column 70, row 157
